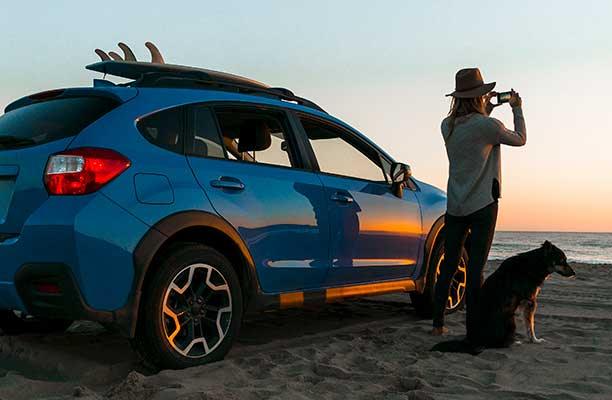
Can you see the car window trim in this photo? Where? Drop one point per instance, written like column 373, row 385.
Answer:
column 308, row 156
column 190, row 129
column 186, row 125
column 262, row 164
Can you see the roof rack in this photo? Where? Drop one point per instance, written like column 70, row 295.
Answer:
column 159, row 74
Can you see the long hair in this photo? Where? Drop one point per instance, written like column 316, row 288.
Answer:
column 464, row 106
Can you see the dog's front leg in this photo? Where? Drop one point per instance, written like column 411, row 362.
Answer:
column 529, row 310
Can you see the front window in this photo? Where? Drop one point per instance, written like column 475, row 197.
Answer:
column 338, row 152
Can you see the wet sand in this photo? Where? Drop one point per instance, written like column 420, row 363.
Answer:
column 374, row 348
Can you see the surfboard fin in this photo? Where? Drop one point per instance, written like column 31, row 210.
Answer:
column 103, row 56
column 115, row 56
column 156, row 57
column 128, row 54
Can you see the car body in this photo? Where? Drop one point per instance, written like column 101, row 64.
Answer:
column 297, row 227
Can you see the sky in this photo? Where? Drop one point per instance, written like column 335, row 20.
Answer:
column 383, row 67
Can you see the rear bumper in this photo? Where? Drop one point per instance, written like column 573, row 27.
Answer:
column 9, row 299
column 85, row 244
column 65, row 303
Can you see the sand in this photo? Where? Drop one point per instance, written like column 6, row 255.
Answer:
column 373, row 348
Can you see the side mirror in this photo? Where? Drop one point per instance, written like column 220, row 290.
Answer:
column 400, row 175
column 400, row 172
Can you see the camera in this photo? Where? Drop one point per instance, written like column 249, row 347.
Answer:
column 503, row 97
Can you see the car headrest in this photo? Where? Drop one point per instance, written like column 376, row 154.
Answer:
column 254, row 136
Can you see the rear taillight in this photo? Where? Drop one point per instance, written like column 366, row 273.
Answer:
column 83, row 171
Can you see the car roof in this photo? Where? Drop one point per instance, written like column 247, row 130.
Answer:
column 159, row 98
column 120, row 94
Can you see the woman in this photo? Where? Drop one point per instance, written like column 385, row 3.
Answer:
column 472, row 140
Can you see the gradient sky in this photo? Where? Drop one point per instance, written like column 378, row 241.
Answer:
column 382, row 67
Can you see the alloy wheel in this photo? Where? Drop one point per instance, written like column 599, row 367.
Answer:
column 457, row 289
column 197, row 310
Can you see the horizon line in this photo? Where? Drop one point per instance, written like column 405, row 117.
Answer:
column 544, row 231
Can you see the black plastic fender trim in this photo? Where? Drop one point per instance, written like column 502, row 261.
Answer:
column 430, row 242
column 155, row 238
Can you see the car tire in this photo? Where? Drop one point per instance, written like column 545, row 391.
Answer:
column 191, row 309
column 12, row 323
column 423, row 302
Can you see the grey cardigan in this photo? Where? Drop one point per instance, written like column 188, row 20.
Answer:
column 473, row 149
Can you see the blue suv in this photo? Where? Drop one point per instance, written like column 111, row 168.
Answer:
column 171, row 205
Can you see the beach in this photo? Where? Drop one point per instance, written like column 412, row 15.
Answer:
column 371, row 348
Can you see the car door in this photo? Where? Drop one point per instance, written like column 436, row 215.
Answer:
column 245, row 159
column 374, row 235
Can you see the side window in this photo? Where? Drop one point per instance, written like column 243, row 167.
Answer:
column 164, row 129
column 339, row 154
column 204, row 139
column 254, row 135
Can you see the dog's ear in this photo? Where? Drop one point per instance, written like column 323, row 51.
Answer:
column 547, row 246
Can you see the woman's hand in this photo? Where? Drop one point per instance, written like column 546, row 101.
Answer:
column 488, row 105
column 515, row 99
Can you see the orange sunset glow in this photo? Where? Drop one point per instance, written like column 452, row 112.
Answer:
column 388, row 80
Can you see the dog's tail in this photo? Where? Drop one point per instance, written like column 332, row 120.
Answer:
column 458, row 346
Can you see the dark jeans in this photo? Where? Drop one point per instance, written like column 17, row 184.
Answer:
column 482, row 226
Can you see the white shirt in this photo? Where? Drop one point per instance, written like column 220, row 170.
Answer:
column 473, row 150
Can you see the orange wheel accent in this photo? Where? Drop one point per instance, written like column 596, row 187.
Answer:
column 457, row 289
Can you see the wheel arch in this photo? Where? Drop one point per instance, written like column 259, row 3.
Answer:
column 435, row 234
column 189, row 227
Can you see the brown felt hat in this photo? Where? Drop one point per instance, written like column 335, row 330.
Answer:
column 469, row 83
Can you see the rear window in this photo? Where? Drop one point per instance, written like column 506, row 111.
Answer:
column 50, row 120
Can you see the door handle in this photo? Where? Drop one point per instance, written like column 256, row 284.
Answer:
column 342, row 198
column 227, row 183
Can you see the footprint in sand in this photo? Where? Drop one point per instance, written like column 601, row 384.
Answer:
column 306, row 352
column 344, row 336
column 258, row 368
column 590, row 349
column 365, row 364
column 283, row 357
column 330, row 371
column 309, row 379
column 587, row 388
column 570, row 331
column 493, row 355
column 408, row 384
column 388, row 330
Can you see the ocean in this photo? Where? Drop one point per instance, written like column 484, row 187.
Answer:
column 591, row 248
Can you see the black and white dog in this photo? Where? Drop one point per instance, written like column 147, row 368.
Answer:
column 515, row 285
